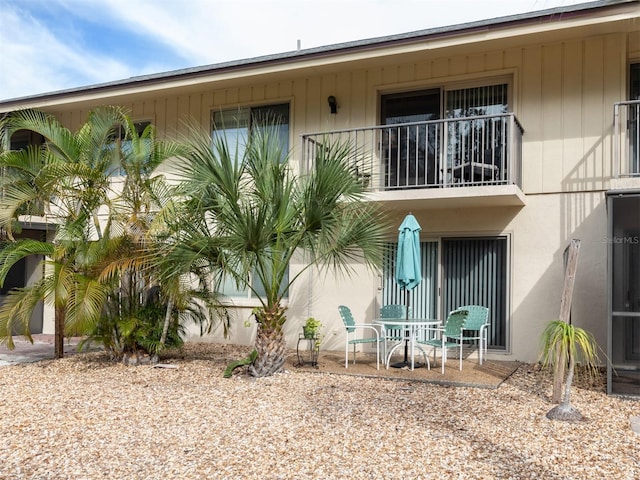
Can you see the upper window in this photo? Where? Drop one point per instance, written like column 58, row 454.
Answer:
column 23, row 138
column 236, row 125
column 634, row 82
column 117, row 170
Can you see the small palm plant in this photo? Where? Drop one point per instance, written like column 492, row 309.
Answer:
column 563, row 342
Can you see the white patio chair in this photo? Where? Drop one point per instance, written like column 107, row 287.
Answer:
column 452, row 327
column 352, row 337
column 478, row 322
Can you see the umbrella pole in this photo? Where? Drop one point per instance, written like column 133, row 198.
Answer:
column 405, row 362
column 406, row 339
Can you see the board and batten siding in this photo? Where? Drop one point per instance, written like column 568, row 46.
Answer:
column 562, row 92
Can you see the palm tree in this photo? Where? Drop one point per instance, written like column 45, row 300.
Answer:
column 248, row 216
column 561, row 341
column 67, row 179
column 100, row 267
column 146, row 306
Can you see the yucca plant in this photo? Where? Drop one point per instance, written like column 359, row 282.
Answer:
column 562, row 342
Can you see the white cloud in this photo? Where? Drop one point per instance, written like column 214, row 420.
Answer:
column 33, row 60
column 210, row 31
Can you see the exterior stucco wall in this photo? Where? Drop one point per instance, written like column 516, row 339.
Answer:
column 538, row 235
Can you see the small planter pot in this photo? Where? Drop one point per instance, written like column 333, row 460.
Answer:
column 308, row 333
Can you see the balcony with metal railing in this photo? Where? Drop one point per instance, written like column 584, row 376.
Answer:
column 626, row 161
column 469, row 161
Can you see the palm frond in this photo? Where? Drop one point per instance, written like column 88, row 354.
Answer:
column 564, row 340
column 13, row 252
column 16, row 311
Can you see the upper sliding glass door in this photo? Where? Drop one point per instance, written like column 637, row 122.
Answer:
column 477, row 145
column 411, row 146
column 416, row 150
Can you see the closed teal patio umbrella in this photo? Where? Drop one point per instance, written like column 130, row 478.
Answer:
column 408, row 264
column 408, row 268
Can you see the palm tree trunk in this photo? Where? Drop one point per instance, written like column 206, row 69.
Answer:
column 58, row 336
column 96, row 225
column 271, row 348
column 567, row 387
column 558, row 375
column 165, row 327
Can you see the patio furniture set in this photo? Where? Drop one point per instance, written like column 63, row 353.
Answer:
column 396, row 329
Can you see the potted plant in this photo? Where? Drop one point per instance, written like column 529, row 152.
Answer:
column 311, row 328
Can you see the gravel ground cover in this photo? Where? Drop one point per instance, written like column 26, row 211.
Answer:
column 86, row 418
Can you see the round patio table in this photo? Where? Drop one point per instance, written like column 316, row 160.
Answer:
column 410, row 327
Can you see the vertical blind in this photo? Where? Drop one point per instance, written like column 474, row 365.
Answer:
column 474, row 272
column 423, row 300
column 473, row 140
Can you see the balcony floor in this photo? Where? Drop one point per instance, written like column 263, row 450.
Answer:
column 452, row 197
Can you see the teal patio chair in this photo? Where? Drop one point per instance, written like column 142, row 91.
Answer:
column 452, row 328
column 391, row 333
column 352, row 337
column 478, row 322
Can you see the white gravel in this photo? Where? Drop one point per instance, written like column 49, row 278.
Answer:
column 84, row 418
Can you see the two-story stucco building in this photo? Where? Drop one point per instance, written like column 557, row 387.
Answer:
column 506, row 138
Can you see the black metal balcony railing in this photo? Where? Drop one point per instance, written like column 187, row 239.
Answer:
column 458, row 152
column 626, row 119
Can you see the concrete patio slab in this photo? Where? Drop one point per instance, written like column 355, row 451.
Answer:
column 41, row 349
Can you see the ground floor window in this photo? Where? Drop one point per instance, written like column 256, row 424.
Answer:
column 456, row 272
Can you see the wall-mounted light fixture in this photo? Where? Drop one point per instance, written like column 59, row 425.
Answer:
column 333, row 105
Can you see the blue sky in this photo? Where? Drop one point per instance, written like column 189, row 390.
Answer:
column 50, row 45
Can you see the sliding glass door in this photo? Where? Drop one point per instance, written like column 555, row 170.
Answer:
column 477, row 145
column 475, row 273
column 411, row 149
column 446, row 134
column 423, row 300
column 457, row 272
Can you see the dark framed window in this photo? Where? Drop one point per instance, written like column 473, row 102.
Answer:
column 236, row 125
column 116, row 169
